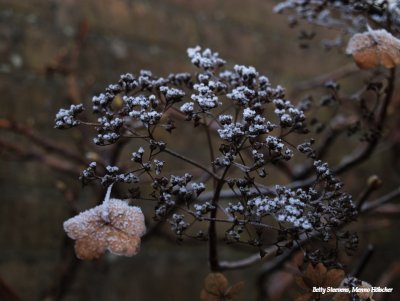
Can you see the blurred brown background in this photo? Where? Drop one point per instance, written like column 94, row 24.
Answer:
column 99, row 40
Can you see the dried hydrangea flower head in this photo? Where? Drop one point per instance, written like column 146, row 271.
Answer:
column 373, row 48
column 114, row 226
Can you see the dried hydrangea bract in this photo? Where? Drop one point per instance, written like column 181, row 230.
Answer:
column 114, row 226
column 373, row 48
column 216, row 288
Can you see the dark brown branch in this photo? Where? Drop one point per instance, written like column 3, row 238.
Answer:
column 41, row 141
column 212, row 228
column 49, row 160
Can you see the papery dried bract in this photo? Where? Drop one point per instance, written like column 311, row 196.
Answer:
column 216, row 288
column 373, row 48
column 318, row 276
column 93, row 235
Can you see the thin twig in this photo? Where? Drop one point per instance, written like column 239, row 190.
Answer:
column 192, row 162
column 382, row 200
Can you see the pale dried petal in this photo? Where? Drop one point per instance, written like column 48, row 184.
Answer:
column 216, row 283
column 122, row 244
column 88, row 248
column 316, row 274
column 84, row 223
column 127, row 218
column 120, row 233
column 373, row 48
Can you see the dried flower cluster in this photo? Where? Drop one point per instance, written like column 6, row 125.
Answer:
column 249, row 120
column 351, row 12
column 349, row 17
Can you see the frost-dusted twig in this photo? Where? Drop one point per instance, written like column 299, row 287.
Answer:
column 192, row 162
column 373, row 183
column 381, row 201
column 105, row 213
column 270, row 252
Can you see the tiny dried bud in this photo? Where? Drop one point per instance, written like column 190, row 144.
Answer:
column 374, row 182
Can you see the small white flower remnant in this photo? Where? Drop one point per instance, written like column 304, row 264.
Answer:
column 66, row 118
column 373, row 48
column 205, row 59
column 360, row 289
column 187, row 107
column 231, row 131
column 114, row 226
column 205, row 98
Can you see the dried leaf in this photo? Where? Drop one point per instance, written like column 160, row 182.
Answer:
column 314, row 276
column 216, row 288
column 120, row 234
column 373, row 48
column 216, row 283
